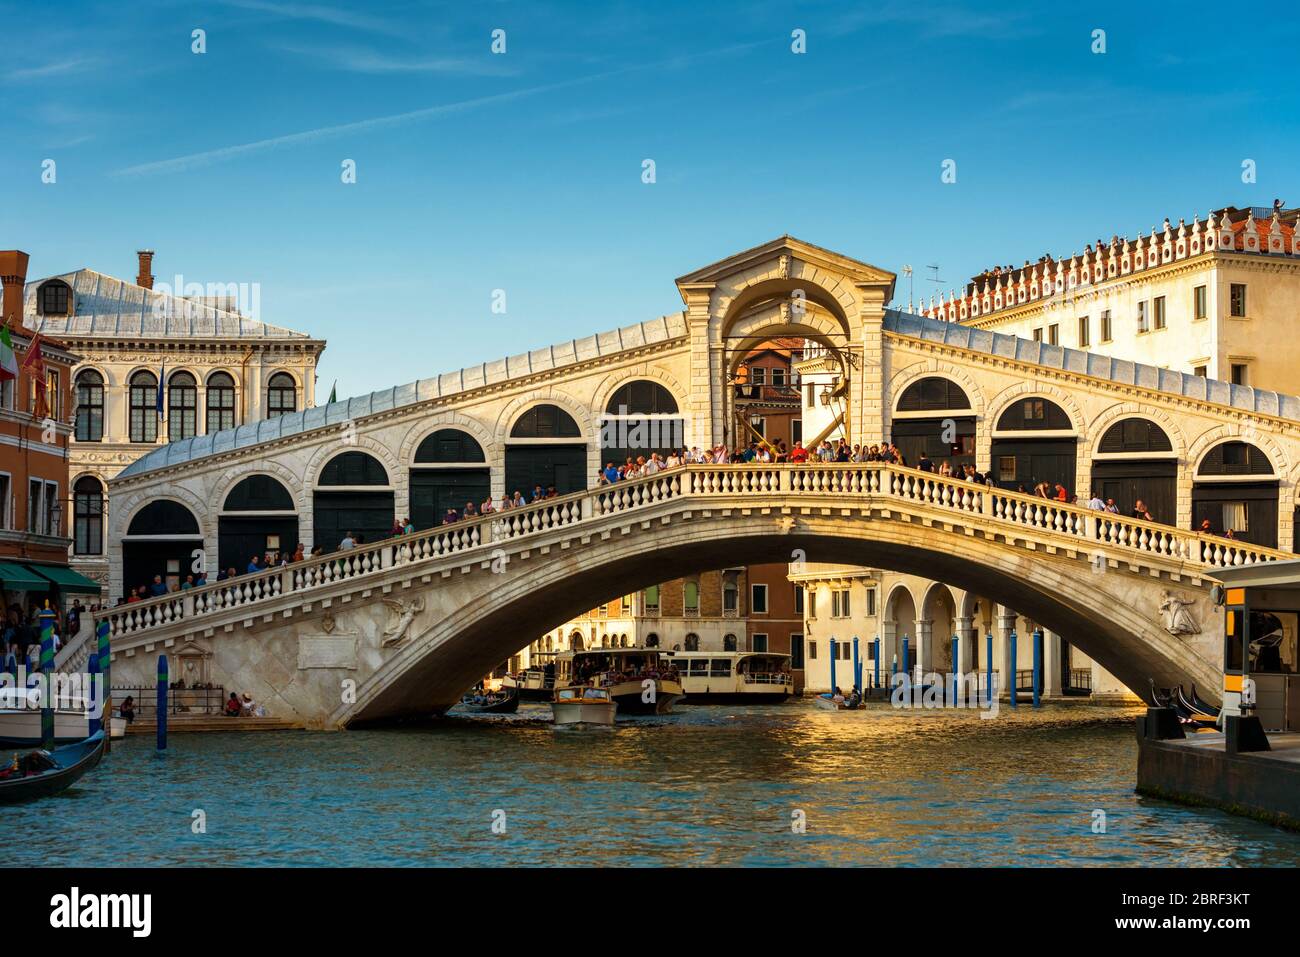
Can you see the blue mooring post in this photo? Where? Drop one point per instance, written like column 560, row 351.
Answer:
column 876, row 654
column 1014, row 661
column 47, row 669
column 988, row 657
column 907, row 660
column 105, row 663
column 162, row 702
column 92, row 671
column 832, row 665
column 857, row 665
column 956, row 645
column 1038, row 667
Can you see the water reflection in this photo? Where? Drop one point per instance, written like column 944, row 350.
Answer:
column 707, row 785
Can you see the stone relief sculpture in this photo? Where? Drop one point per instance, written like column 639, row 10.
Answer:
column 1177, row 619
column 406, row 612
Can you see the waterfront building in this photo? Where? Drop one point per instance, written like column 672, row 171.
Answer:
column 34, row 439
column 219, row 368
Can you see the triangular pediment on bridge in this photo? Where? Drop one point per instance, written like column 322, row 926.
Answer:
column 788, row 245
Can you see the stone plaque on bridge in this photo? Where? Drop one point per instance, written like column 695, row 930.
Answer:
column 327, row 651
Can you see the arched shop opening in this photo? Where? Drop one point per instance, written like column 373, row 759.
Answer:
column 449, row 470
column 162, row 539
column 640, row 418
column 257, row 517
column 1033, row 442
column 542, row 451
column 934, row 419
column 1236, row 489
column 353, row 494
column 1135, row 461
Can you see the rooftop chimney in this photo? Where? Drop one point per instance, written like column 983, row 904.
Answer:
column 146, row 269
column 13, row 273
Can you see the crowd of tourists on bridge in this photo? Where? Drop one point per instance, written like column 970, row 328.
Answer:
column 20, row 635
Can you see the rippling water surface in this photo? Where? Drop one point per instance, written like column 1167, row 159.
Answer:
column 707, row 785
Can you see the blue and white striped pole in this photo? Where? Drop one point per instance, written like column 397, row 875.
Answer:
column 47, row 669
column 96, row 720
column 105, row 664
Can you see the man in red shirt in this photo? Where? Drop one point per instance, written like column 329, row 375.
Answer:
column 798, row 453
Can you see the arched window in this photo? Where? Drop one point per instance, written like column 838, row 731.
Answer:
column 692, row 642
column 449, row 445
column 1235, row 458
column 729, row 642
column 1135, row 435
column 931, row 394
column 55, row 298
column 353, row 468
column 88, row 516
column 575, row 641
column 691, row 598
column 641, row 397
column 652, row 640
column 281, row 395
column 221, row 402
column 164, row 517
column 1033, row 415
column 182, row 406
column 259, row 493
column 90, row 406
column 144, row 412
column 545, row 422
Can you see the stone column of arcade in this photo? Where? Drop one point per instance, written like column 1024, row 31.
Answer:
column 924, row 658
column 966, row 638
column 1052, row 665
column 1007, row 669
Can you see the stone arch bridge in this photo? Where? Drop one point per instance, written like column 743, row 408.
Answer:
column 409, row 623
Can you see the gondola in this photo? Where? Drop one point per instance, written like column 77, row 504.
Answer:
column 51, row 772
column 1203, row 705
column 1187, row 708
column 506, row 702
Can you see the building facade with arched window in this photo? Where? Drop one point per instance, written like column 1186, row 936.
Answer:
column 155, row 368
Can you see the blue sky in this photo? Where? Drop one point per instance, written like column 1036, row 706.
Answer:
column 522, row 171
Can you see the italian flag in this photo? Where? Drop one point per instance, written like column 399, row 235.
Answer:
column 8, row 364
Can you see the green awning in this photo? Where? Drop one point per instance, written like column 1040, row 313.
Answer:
column 67, row 579
column 20, row 578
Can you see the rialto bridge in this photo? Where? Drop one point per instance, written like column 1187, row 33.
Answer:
column 403, row 625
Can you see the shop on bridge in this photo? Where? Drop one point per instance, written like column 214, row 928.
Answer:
column 353, row 494
column 545, row 448
column 934, row 419
column 162, row 539
column 258, row 516
column 1236, row 489
column 1034, row 441
column 450, row 469
column 1135, row 461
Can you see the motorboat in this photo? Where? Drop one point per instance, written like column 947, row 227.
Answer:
column 734, row 677
column 583, row 705
column 639, row 680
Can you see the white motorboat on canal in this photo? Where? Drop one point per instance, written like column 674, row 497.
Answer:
column 734, row 677
column 639, row 680
column 574, row 706
column 533, row 684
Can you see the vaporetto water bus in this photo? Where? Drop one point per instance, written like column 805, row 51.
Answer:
column 734, row 677
column 623, row 672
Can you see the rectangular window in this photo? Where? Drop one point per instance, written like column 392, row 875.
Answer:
column 4, row 501
column 796, row 651
column 1038, row 334
column 1006, row 468
column 1237, row 300
column 758, row 642
column 651, row 600
column 796, row 430
column 53, row 397
column 812, row 603
column 843, row 650
column 1142, row 316
column 1105, row 325
column 1199, row 303
column 1239, row 373
column 1201, row 371
column 1054, row 334
column 798, row 600
column 871, row 603
column 812, row 649
column 1158, row 316
column 1084, row 330
column 758, row 376
column 840, row 603
column 758, row 599
column 778, row 377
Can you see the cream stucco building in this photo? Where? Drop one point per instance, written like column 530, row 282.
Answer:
column 221, row 369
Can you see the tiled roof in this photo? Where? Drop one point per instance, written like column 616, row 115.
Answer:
column 1088, row 363
column 107, row 307
column 570, row 353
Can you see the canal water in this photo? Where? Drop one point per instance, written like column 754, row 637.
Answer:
column 708, row 785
